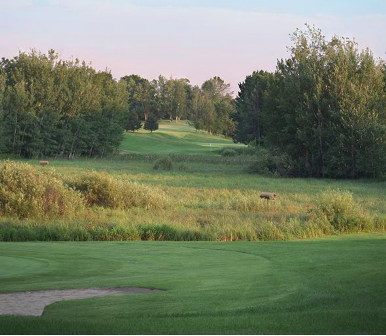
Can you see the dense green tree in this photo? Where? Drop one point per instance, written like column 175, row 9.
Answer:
column 2, row 89
column 216, row 107
column 324, row 104
column 52, row 107
column 249, row 103
column 180, row 96
column 216, row 89
column 141, row 95
column 151, row 123
column 133, row 122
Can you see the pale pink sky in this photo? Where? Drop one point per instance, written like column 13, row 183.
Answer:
column 195, row 41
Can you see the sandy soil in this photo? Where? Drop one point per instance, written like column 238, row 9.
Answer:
column 33, row 303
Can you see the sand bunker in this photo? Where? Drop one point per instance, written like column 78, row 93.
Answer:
column 33, row 303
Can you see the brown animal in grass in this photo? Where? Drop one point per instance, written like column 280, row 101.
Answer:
column 268, row 196
column 44, row 163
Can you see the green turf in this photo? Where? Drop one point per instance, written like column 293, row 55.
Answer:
column 325, row 286
column 174, row 138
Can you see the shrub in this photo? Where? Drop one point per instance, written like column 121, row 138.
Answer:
column 228, row 152
column 99, row 189
column 164, row 163
column 245, row 151
column 340, row 210
column 269, row 162
column 102, row 189
column 26, row 192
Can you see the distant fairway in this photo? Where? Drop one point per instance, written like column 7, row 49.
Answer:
column 174, row 138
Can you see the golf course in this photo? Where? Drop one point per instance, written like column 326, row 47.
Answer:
column 279, row 282
column 179, row 167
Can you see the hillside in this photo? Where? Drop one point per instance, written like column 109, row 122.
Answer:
column 174, row 138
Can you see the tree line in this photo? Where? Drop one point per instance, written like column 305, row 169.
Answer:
column 51, row 107
column 324, row 108
column 208, row 107
column 322, row 111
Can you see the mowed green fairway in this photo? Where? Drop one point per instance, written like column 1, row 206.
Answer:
column 173, row 138
column 334, row 285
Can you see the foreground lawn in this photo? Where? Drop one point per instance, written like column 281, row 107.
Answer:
column 334, row 285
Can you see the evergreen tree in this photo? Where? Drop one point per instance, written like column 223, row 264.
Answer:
column 133, row 122
column 151, row 123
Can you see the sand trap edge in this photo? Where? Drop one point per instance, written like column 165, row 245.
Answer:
column 32, row 303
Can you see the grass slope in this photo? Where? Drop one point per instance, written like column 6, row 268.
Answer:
column 327, row 286
column 173, row 138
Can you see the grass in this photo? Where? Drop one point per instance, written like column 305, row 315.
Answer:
column 207, row 195
column 333, row 285
column 325, row 286
column 173, row 138
column 220, row 201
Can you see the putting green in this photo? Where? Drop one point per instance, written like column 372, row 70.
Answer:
column 18, row 267
column 327, row 286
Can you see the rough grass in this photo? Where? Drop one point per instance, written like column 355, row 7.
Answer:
column 329, row 286
column 212, row 197
column 125, row 206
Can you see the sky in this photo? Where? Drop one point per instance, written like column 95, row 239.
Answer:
column 195, row 39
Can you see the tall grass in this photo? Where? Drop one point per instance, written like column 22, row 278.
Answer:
column 102, row 206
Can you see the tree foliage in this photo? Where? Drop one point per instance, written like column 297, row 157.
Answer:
column 322, row 112
column 51, row 107
column 208, row 108
column 151, row 123
column 324, row 107
column 249, row 108
column 133, row 122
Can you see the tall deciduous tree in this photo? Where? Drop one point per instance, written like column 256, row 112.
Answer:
column 326, row 107
column 52, row 107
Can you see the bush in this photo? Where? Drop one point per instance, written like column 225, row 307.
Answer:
column 165, row 163
column 102, row 189
column 99, row 189
column 228, row 152
column 26, row 192
column 245, row 151
column 271, row 163
column 340, row 210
